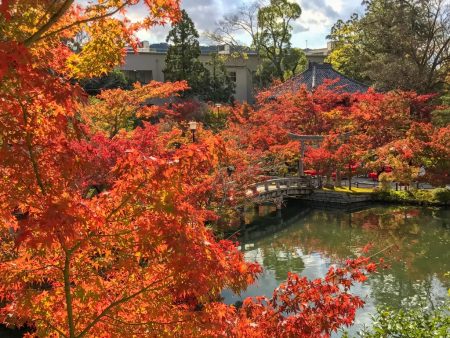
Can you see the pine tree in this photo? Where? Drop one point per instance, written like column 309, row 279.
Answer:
column 182, row 60
column 221, row 87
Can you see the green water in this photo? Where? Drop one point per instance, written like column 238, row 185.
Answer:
column 307, row 240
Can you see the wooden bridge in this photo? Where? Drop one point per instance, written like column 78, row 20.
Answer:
column 275, row 190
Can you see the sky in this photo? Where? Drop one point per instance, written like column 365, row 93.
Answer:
column 310, row 30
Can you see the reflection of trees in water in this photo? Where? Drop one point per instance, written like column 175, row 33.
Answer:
column 398, row 290
column 282, row 260
column 421, row 246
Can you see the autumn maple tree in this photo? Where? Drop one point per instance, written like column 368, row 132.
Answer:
column 102, row 226
column 368, row 131
column 117, row 109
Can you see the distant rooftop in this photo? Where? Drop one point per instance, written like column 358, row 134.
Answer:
column 163, row 47
column 315, row 75
column 316, row 51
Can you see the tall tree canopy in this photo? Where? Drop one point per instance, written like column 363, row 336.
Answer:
column 182, row 60
column 210, row 83
column 222, row 86
column 395, row 44
column 275, row 22
column 269, row 26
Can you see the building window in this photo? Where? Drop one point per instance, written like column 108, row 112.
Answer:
column 232, row 76
column 142, row 76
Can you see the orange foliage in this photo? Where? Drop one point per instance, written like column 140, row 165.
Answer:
column 357, row 128
column 106, row 237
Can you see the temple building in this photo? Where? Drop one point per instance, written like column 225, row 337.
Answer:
column 315, row 75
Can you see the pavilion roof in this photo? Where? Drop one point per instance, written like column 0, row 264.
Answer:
column 315, row 75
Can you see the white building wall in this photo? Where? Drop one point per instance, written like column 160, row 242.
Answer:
column 148, row 60
column 145, row 61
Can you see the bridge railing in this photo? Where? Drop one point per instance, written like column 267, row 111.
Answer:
column 281, row 183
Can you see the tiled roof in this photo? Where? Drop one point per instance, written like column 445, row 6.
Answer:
column 315, row 75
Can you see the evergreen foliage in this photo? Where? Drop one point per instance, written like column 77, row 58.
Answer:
column 182, row 60
column 275, row 23
column 113, row 80
column 221, row 86
column 395, row 44
column 182, row 63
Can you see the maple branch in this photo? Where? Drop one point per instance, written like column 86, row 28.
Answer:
column 68, row 294
column 28, row 141
column 45, row 267
column 145, row 323
column 52, row 326
column 124, row 201
column 76, row 23
column 120, row 206
column 121, row 233
column 35, row 164
column 382, row 250
column 50, row 8
column 113, row 305
column 59, row 13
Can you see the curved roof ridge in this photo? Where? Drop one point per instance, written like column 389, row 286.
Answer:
column 315, row 75
column 349, row 78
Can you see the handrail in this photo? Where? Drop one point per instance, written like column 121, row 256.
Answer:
column 280, row 180
column 286, row 182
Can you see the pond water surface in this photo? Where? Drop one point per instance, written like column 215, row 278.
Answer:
column 307, row 240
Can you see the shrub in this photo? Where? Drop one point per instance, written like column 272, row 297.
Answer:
column 385, row 180
column 418, row 321
column 441, row 195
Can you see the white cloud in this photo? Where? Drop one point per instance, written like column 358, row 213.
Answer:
column 318, row 16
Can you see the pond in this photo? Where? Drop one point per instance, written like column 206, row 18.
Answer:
column 307, row 240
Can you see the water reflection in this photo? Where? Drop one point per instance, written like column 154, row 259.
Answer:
column 307, row 240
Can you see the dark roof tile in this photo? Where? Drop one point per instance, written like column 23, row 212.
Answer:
column 315, row 75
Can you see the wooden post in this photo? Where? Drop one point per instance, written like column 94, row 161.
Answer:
column 313, row 138
column 279, row 205
column 242, row 216
column 337, row 179
column 256, row 208
column 349, row 177
column 301, row 170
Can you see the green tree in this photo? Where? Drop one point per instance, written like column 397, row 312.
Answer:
column 269, row 28
column 395, row 44
column 441, row 116
column 275, row 23
column 113, row 80
column 348, row 54
column 221, row 86
column 182, row 60
column 294, row 62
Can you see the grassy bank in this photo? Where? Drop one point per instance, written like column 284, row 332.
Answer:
column 438, row 196
column 353, row 191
